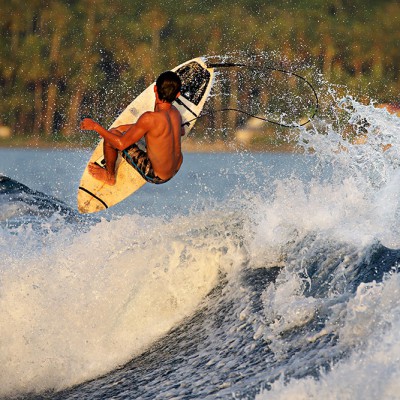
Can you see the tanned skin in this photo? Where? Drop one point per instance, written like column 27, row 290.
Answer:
column 162, row 130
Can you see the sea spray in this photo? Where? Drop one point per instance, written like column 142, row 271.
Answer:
column 371, row 327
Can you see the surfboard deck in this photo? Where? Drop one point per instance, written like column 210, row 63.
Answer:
column 197, row 80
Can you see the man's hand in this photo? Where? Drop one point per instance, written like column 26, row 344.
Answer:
column 88, row 124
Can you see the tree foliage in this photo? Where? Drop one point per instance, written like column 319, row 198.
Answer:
column 61, row 59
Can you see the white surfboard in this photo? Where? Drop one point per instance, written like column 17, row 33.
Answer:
column 197, row 80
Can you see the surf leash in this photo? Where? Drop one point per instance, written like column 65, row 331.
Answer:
column 289, row 73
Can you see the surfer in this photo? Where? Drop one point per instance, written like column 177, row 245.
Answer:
column 162, row 130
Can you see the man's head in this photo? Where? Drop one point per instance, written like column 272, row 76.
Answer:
column 168, row 86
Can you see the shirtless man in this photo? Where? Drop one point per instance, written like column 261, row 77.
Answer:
column 161, row 129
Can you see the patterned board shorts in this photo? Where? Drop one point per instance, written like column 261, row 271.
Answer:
column 139, row 160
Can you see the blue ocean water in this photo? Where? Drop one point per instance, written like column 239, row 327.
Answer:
column 246, row 276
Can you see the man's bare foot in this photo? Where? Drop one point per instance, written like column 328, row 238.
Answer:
column 101, row 174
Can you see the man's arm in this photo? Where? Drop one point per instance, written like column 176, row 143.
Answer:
column 121, row 128
column 114, row 137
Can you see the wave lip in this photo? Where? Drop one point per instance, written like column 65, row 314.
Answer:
column 20, row 205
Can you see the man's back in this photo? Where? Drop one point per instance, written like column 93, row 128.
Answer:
column 163, row 141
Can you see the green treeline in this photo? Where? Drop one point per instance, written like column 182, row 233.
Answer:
column 60, row 60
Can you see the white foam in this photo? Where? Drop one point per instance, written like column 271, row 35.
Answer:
column 372, row 329
column 356, row 206
column 87, row 303
column 359, row 201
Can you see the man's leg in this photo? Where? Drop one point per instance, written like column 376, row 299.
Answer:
column 106, row 175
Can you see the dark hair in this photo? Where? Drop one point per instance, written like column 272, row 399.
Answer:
column 168, row 86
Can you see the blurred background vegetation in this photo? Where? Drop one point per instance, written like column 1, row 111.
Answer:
column 60, row 60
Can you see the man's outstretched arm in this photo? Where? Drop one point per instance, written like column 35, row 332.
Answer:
column 114, row 137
